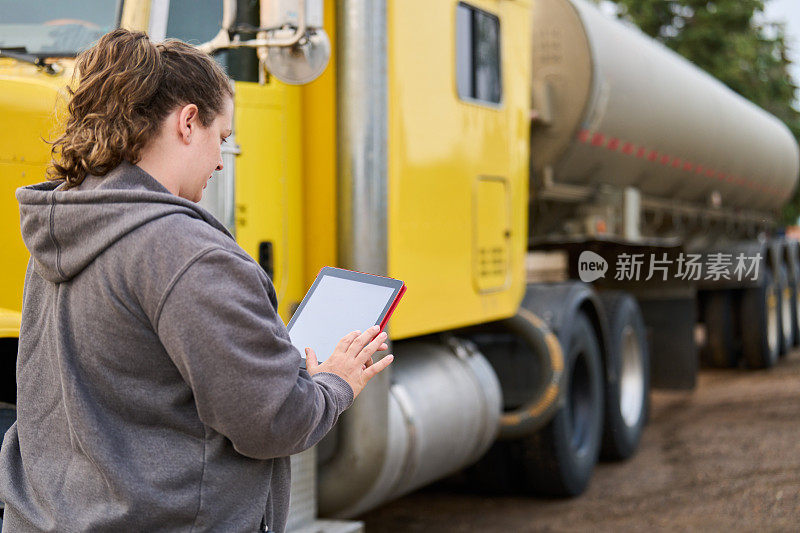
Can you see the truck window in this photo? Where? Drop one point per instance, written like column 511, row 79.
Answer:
column 477, row 54
column 194, row 21
column 59, row 28
column 198, row 21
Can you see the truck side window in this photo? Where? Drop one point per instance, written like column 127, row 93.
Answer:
column 477, row 54
column 198, row 21
column 192, row 21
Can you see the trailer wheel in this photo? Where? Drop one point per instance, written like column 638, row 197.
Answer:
column 795, row 295
column 785, row 306
column 558, row 460
column 627, row 394
column 720, row 350
column 760, row 323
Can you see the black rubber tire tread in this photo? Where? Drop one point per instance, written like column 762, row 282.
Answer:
column 548, row 463
column 795, row 308
column 621, row 441
column 786, row 342
column 753, row 320
column 721, row 350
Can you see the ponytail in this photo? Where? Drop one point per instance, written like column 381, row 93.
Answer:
column 123, row 88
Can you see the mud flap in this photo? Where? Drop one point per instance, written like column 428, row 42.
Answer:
column 673, row 352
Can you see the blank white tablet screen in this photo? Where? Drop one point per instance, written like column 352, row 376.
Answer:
column 337, row 307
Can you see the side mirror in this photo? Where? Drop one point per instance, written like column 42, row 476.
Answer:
column 307, row 49
column 291, row 42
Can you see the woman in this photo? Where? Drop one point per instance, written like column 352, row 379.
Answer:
column 157, row 386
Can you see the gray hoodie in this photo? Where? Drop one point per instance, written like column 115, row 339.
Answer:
column 157, row 386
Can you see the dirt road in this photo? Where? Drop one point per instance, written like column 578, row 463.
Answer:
column 725, row 456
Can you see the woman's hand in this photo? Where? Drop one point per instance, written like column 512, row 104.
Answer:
column 352, row 358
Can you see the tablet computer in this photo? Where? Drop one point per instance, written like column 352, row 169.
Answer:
column 338, row 302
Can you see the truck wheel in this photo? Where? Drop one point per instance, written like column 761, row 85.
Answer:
column 760, row 323
column 558, row 460
column 785, row 306
column 795, row 294
column 626, row 395
column 720, row 349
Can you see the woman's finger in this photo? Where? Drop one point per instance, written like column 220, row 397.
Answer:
column 346, row 341
column 373, row 370
column 371, row 348
column 311, row 360
column 362, row 340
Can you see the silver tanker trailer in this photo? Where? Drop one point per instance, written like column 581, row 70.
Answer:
column 635, row 150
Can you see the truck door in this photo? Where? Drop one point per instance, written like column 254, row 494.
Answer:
column 458, row 103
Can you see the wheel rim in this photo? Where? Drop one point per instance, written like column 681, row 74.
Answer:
column 631, row 389
column 786, row 313
column 772, row 319
column 580, row 404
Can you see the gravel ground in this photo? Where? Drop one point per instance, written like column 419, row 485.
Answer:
column 725, row 456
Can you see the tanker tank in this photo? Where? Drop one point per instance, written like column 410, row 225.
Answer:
column 619, row 108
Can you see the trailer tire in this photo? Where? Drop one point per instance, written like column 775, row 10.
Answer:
column 760, row 323
column 795, row 291
column 558, row 460
column 785, row 311
column 627, row 387
column 720, row 350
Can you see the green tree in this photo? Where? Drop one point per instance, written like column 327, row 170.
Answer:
column 724, row 38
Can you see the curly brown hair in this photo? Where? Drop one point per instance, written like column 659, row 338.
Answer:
column 124, row 87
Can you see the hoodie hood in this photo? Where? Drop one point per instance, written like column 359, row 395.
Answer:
column 65, row 230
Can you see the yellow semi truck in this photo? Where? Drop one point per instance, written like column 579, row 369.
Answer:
column 477, row 150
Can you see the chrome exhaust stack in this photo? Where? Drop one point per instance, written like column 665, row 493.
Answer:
column 361, row 436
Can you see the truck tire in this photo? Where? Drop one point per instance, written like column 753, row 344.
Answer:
column 795, row 292
column 785, row 308
column 720, row 350
column 558, row 460
column 627, row 393
column 760, row 323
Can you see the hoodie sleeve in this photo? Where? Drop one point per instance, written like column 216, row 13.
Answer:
column 218, row 325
